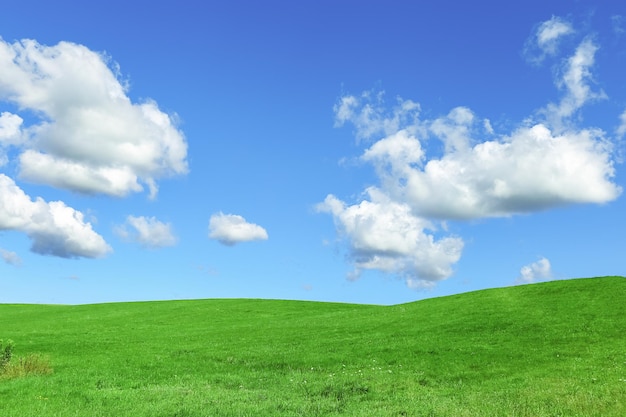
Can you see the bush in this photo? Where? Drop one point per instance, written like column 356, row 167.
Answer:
column 5, row 354
column 33, row 364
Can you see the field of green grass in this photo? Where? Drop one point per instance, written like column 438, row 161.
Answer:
column 551, row 349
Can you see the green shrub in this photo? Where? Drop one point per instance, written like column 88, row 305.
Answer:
column 5, row 353
column 33, row 364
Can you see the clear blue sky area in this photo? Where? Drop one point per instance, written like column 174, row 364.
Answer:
column 350, row 151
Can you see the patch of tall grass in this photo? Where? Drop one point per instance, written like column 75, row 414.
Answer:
column 15, row 367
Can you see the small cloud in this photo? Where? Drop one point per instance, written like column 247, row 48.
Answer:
column 540, row 270
column 545, row 40
column 147, row 231
column 9, row 257
column 230, row 229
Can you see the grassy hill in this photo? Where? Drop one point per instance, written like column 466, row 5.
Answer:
column 549, row 349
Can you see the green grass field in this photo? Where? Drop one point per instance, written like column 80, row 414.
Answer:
column 549, row 349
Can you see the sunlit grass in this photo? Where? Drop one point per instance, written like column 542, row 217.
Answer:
column 552, row 349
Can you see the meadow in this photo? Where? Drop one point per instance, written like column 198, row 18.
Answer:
column 550, row 349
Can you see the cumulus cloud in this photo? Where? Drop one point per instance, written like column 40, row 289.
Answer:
column 54, row 228
column 384, row 235
column 528, row 170
column 9, row 257
column 545, row 40
column 147, row 231
column 90, row 137
column 230, row 229
column 540, row 270
column 457, row 167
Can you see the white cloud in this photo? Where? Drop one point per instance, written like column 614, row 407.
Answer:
column 384, row 235
column 575, row 81
column 10, row 133
column 147, row 231
column 548, row 160
column 368, row 114
column 545, row 40
column 90, row 137
column 540, row 270
column 9, row 257
column 230, row 229
column 54, row 228
column 10, row 129
column 531, row 169
column 550, row 31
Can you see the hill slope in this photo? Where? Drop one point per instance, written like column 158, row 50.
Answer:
column 556, row 348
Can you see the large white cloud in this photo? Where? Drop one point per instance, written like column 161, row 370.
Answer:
column 147, row 231
column 230, row 229
column 457, row 167
column 386, row 236
column 90, row 137
column 531, row 169
column 54, row 228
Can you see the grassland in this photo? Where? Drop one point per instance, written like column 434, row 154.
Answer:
column 550, row 349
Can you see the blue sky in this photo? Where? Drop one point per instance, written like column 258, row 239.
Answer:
column 367, row 152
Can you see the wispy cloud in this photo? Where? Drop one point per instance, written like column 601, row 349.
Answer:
column 9, row 257
column 90, row 137
column 621, row 129
column 617, row 22
column 147, row 231
column 54, row 228
column 230, row 229
column 545, row 39
column 576, row 81
column 536, row 271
